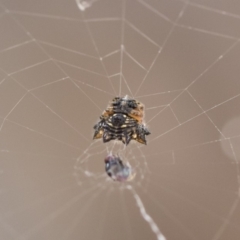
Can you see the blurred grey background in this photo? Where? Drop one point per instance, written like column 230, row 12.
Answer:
column 62, row 61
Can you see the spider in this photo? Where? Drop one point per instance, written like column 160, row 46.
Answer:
column 126, row 105
column 122, row 120
column 117, row 170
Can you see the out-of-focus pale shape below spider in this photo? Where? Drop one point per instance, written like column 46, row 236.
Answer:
column 122, row 120
column 117, row 170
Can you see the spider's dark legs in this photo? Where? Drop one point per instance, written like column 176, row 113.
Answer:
column 98, row 130
column 142, row 131
column 107, row 137
column 126, row 138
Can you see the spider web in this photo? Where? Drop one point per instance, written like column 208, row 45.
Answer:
column 62, row 61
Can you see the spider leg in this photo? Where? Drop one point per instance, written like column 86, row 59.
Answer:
column 107, row 137
column 142, row 131
column 98, row 130
column 146, row 131
column 141, row 139
column 126, row 138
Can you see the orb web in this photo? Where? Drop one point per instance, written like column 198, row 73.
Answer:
column 60, row 64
